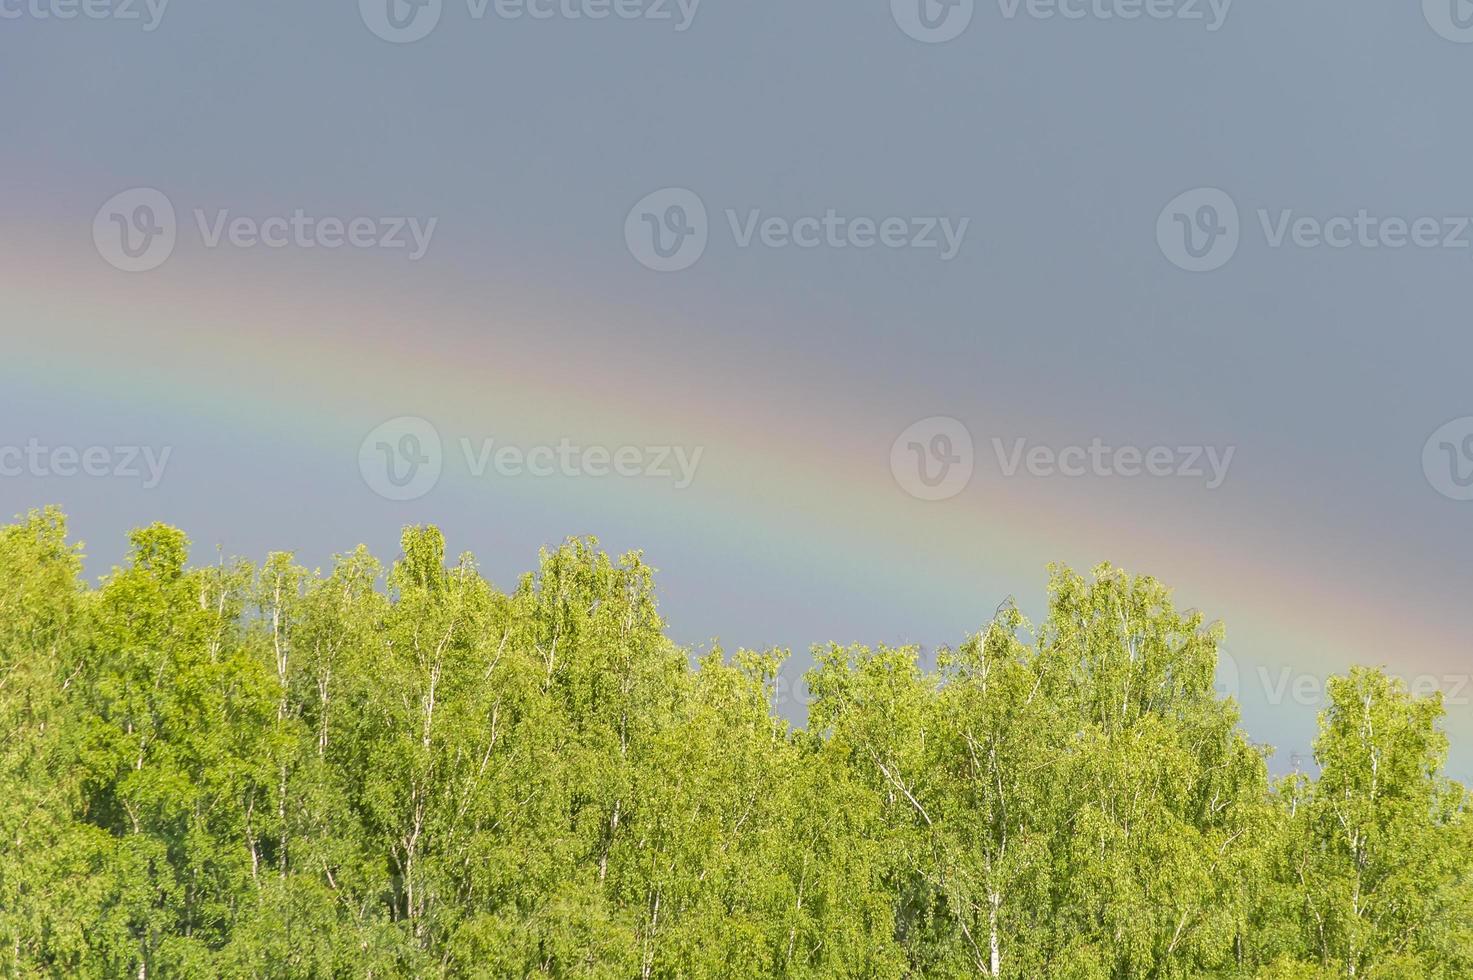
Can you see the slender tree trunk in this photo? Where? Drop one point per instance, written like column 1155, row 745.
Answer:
column 994, row 942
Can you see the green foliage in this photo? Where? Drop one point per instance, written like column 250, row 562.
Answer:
column 242, row 771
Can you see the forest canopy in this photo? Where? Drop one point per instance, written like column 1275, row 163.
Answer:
column 242, row 770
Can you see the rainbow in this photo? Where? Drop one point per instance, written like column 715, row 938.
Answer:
column 782, row 486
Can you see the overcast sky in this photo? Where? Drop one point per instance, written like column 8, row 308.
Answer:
column 853, row 316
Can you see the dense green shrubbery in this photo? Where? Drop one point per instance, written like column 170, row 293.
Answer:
column 240, row 771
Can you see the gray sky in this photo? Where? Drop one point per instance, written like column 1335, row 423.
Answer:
column 1064, row 316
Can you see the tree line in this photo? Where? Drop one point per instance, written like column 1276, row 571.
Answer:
column 239, row 770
